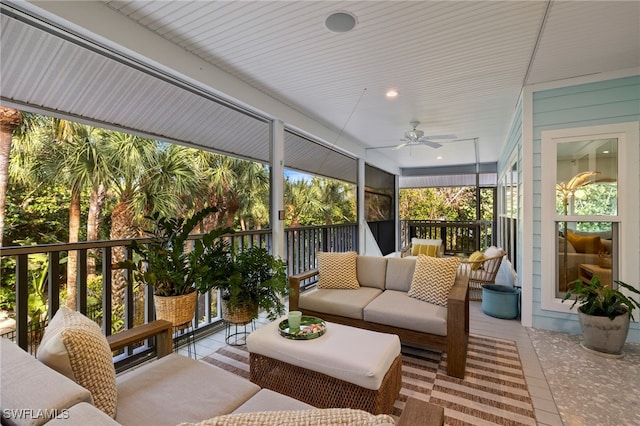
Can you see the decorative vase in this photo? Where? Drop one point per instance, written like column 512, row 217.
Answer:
column 179, row 310
column 241, row 314
column 603, row 335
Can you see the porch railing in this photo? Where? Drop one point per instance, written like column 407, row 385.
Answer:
column 302, row 244
column 458, row 237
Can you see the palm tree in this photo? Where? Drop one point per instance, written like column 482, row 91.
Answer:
column 335, row 198
column 147, row 177
column 232, row 185
column 301, row 201
column 10, row 118
column 77, row 160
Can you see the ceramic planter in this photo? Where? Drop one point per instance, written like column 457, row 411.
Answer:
column 603, row 335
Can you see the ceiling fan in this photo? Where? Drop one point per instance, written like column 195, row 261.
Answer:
column 417, row 137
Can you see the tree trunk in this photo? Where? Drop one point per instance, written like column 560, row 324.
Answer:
column 9, row 119
column 72, row 258
column 93, row 226
column 122, row 220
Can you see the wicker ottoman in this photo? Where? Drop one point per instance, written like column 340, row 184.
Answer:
column 346, row 367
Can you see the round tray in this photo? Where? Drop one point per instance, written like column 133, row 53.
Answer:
column 310, row 328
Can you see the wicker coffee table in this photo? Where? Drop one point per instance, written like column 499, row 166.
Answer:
column 346, row 367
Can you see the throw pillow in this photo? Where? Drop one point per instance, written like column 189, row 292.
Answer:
column 425, row 246
column 74, row 346
column 492, row 251
column 475, row 260
column 338, row 270
column 317, row 417
column 585, row 244
column 433, row 279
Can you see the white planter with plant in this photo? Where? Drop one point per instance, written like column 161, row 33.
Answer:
column 604, row 314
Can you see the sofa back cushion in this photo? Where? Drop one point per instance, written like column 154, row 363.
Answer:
column 399, row 273
column 585, row 243
column 75, row 346
column 372, row 271
column 337, row 270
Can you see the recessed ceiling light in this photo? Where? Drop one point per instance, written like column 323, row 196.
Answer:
column 439, row 157
column 340, row 22
column 605, row 152
column 392, row 93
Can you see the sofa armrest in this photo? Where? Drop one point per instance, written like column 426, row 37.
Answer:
column 421, row 413
column 458, row 326
column 294, row 287
column 162, row 329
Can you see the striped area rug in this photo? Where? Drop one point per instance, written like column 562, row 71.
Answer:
column 493, row 392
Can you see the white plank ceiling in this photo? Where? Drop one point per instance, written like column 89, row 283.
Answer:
column 459, row 66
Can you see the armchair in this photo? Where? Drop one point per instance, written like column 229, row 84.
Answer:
column 481, row 271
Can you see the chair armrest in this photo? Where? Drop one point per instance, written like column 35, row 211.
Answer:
column 418, row 413
column 294, row 287
column 161, row 328
column 405, row 250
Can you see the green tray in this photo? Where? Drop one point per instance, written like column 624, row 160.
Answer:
column 310, row 328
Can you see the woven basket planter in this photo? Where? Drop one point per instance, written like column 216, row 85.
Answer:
column 176, row 309
column 242, row 314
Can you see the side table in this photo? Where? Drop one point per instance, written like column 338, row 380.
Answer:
column 586, row 271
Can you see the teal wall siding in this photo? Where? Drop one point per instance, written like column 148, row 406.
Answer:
column 592, row 104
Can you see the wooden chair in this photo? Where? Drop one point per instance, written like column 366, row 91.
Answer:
column 480, row 272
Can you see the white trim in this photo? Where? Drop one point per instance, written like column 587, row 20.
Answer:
column 628, row 135
column 586, row 79
column 525, row 273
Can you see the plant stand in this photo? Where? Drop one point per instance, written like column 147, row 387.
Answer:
column 182, row 332
column 235, row 334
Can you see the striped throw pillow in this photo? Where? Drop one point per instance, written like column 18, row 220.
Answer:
column 433, row 279
column 337, row 270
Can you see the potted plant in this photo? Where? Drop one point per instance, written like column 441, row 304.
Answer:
column 604, row 314
column 175, row 272
column 249, row 280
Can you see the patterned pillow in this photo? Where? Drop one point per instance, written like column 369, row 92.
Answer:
column 318, row 417
column 74, row 346
column 425, row 246
column 433, row 279
column 338, row 270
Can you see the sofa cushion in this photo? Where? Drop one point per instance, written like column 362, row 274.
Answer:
column 83, row 414
column 371, row 271
column 337, row 270
column 148, row 395
column 75, row 346
column 585, row 243
column 316, row 417
column 397, row 309
column 346, row 303
column 399, row 273
column 268, row 400
column 29, row 384
column 433, row 279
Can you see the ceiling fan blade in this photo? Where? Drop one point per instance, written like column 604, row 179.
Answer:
column 402, row 145
column 441, row 137
column 430, row 143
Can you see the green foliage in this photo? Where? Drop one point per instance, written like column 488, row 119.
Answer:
column 165, row 263
column 440, row 203
column 255, row 277
column 599, row 300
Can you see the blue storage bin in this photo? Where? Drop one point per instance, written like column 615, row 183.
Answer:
column 500, row 301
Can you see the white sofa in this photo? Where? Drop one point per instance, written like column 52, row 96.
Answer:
column 381, row 303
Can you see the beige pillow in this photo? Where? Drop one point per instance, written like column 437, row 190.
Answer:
column 433, row 279
column 338, row 270
column 74, row 346
column 318, row 417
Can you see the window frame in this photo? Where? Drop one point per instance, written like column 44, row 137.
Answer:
column 627, row 218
